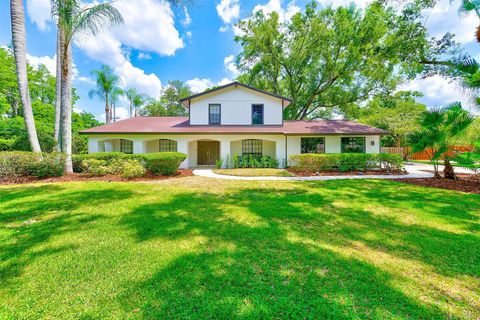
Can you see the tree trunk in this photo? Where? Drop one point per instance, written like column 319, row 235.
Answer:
column 66, row 94
column 114, row 113
column 448, row 171
column 131, row 114
column 58, row 93
column 107, row 111
column 20, row 52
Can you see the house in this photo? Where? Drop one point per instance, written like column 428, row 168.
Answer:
column 233, row 119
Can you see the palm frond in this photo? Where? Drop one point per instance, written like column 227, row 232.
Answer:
column 92, row 19
column 433, row 118
column 469, row 66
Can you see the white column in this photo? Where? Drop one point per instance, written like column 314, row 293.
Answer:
column 182, row 146
column 225, row 151
column 280, row 153
column 139, row 146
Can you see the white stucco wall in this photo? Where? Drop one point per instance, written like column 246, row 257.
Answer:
column 273, row 145
column 236, row 107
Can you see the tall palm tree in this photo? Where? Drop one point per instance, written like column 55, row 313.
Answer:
column 74, row 19
column 139, row 101
column 106, row 83
column 58, row 90
column 439, row 128
column 131, row 94
column 116, row 94
column 20, row 52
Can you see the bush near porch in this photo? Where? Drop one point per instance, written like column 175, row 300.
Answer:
column 346, row 162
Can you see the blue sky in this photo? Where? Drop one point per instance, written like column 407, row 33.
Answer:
column 159, row 43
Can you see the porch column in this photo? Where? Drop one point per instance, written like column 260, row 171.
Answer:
column 225, row 152
column 182, row 146
column 139, row 146
column 280, row 153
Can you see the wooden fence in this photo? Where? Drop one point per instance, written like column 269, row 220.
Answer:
column 405, row 152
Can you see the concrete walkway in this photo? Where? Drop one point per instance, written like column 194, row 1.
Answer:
column 414, row 171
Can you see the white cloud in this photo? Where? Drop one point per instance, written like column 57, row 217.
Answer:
column 187, row 19
column 223, row 29
column 49, row 62
column 188, row 34
column 230, row 66
column 444, row 17
column 284, row 14
column 228, row 10
column 144, row 56
column 39, row 12
column 199, row 85
column 224, row 81
column 87, row 80
column 276, row 6
column 121, row 113
column 439, row 91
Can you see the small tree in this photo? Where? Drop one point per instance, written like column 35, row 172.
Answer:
column 471, row 160
column 439, row 127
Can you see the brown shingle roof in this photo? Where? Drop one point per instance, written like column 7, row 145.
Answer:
column 180, row 125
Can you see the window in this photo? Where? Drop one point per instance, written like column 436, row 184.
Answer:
column 257, row 113
column 213, row 114
column 313, row 145
column 126, row 146
column 252, row 147
column 167, row 145
column 353, row 145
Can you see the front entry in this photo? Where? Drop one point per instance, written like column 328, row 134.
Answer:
column 208, row 152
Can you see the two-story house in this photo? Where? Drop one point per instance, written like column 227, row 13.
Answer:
column 233, row 119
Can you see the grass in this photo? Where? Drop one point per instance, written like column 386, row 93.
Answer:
column 201, row 248
column 254, row 172
column 431, row 162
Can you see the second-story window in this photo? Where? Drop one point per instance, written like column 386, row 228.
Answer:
column 213, row 114
column 257, row 113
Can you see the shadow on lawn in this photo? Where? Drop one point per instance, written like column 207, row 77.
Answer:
column 279, row 265
column 35, row 214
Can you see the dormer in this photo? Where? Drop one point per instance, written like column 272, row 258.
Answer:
column 236, row 104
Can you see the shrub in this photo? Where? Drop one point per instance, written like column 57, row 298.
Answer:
column 6, row 144
column 346, row 161
column 132, row 169
column 107, row 156
column 14, row 164
column 218, row 164
column 162, row 163
column 95, row 167
column 51, row 165
column 249, row 161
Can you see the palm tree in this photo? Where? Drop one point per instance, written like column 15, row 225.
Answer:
column 116, row 94
column 439, row 128
column 20, row 53
column 139, row 101
column 72, row 20
column 106, row 83
column 131, row 94
column 468, row 6
column 58, row 88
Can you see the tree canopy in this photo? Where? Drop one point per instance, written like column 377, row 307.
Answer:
column 328, row 59
column 169, row 102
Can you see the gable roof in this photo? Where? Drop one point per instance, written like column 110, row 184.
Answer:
column 234, row 83
column 181, row 125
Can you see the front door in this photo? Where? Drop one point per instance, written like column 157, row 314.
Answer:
column 208, row 153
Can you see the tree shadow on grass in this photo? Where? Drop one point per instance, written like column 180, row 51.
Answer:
column 251, row 267
column 32, row 215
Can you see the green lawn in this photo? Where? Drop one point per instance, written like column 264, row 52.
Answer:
column 254, row 172
column 201, row 248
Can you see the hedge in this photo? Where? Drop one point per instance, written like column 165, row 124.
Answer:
column 160, row 163
column 14, row 164
column 346, row 162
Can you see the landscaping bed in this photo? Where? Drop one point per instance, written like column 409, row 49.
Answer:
column 308, row 173
column 254, row 172
column 83, row 177
column 465, row 183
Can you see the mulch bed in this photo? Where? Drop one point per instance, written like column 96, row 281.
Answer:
column 110, row 178
column 306, row 173
column 465, row 183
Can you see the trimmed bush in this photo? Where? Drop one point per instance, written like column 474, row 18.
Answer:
column 346, row 162
column 6, row 144
column 14, row 164
column 52, row 165
column 107, row 156
column 162, row 163
column 96, row 167
column 132, row 169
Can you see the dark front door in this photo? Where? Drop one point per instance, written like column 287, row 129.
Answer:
column 208, row 152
